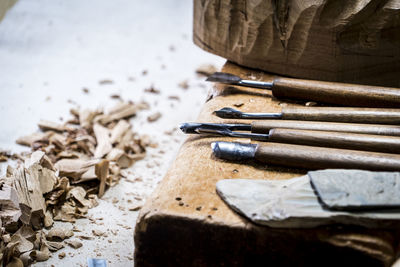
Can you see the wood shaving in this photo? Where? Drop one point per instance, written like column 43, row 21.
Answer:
column 174, row 97
column 74, row 243
column 85, row 237
column 98, row 232
column 61, row 255
column 135, row 207
column 184, row 84
column 50, row 126
column 59, row 234
column 153, row 117
column 115, row 96
column 69, row 165
column 152, row 90
column 106, row 81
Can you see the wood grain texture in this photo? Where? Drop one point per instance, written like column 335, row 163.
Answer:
column 185, row 223
column 364, row 142
column 332, row 40
column 316, row 158
column 345, row 114
column 263, row 126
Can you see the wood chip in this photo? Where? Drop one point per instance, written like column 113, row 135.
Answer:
column 103, row 141
column 174, row 97
column 61, row 255
column 10, row 210
column 152, row 90
column 97, row 232
column 135, row 207
column 106, row 81
column 79, row 194
column 74, row 243
column 121, row 111
column 102, row 174
column 74, row 168
column 28, row 140
column 59, row 234
column 85, row 237
column 119, row 130
column 184, row 84
column 50, row 126
column 153, row 117
column 54, row 246
column 86, row 117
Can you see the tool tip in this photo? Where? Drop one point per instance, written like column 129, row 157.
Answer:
column 189, row 127
column 223, row 77
column 228, row 113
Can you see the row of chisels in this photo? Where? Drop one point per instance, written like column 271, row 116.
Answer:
column 353, row 137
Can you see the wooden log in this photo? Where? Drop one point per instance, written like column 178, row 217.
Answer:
column 332, row 40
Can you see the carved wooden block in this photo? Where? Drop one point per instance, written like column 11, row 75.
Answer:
column 335, row 40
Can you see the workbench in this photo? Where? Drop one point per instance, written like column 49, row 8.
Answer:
column 185, row 223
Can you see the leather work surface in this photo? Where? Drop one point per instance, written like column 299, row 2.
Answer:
column 185, row 223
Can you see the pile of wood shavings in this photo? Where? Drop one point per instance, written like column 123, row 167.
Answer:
column 70, row 167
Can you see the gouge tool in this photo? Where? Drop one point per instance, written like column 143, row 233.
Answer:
column 263, row 126
column 335, row 114
column 344, row 94
column 307, row 157
column 344, row 140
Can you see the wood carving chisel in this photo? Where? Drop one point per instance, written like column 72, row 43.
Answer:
column 364, row 142
column 265, row 126
column 307, row 157
column 335, row 114
column 344, row 94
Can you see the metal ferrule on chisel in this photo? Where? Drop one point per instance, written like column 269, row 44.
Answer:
column 233, row 151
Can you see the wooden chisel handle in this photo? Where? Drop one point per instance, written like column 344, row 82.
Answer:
column 263, row 126
column 360, row 115
column 364, row 142
column 309, row 157
column 336, row 93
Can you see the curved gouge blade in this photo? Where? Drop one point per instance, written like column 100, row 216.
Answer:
column 227, row 132
column 223, row 77
column 191, row 127
column 227, row 78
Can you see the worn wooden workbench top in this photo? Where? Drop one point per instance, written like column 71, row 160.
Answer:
column 185, row 223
